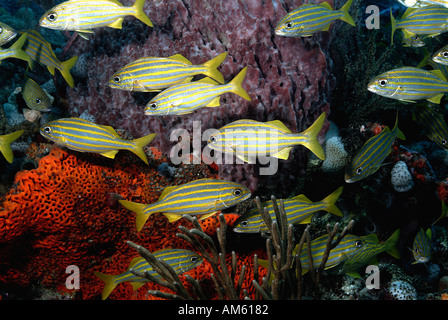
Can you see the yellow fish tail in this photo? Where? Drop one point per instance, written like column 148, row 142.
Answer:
column 393, row 23
column 346, row 17
column 140, row 143
column 19, row 53
column 330, row 202
column 140, row 209
column 237, row 85
column 65, row 71
column 109, row 284
column 212, row 66
column 392, row 244
column 311, row 134
column 140, row 14
column 5, row 145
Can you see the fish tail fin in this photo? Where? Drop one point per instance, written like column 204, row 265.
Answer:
column 400, row 134
column 109, row 284
column 311, row 137
column 393, row 23
column 18, row 51
column 140, row 14
column 5, row 146
column 346, row 17
column 237, row 85
column 330, row 202
column 65, row 71
column 392, row 244
column 140, row 209
column 212, row 66
column 140, row 143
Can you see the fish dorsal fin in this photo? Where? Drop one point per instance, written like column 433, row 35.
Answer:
column 429, row 233
column 302, row 197
column 283, row 154
column 439, row 74
column 407, row 13
column 180, row 58
column 372, row 237
column 208, row 81
column 280, row 125
column 326, row 5
column 110, row 130
column 134, row 261
column 166, row 191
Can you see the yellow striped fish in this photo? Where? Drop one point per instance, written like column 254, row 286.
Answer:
column 180, row 260
column 35, row 97
column 6, row 33
column 85, row 136
column 410, row 84
column 311, row 18
column 421, row 247
column 153, row 73
column 248, row 139
column 185, row 98
column 40, row 50
column 16, row 51
column 433, row 124
column 202, row 197
column 298, row 209
column 372, row 154
column 369, row 249
column 5, row 144
column 441, row 56
column 84, row 15
column 423, row 3
column 428, row 20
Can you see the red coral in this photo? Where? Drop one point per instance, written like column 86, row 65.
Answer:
column 63, row 213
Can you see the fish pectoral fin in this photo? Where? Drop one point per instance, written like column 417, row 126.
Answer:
column 84, row 33
column 282, row 154
column 214, row 103
column 109, row 154
column 208, row 215
column 117, row 24
column 354, row 274
column 245, row 158
column 408, row 34
column 172, row 217
column 436, row 99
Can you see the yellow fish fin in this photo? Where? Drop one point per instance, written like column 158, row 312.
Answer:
column 279, row 125
column 181, row 58
column 208, row 215
column 439, row 74
column 212, row 66
column 18, row 51
column 187, row 80
column 436, row 99
column 172, row 217
column 5, row 144
column 326, row 5
column 244, row 158
column 65, row 71
column 109, row 154
column 346, row 17
column 140, row 209
column 139, row 14
column 302, row 197
column 84, row 33
column 140, row 143
column 354, row 274
column 408, row 34
column 214, row 103
column 136, row 285
column 330, row 202
column 311, row 133
column 51, row 70
column 117, row 24
column 110, row 130
column 134, row 261
column 166, row 191
column 109, row 284
column 408, row 12
column 282, row 154
column 237, row 85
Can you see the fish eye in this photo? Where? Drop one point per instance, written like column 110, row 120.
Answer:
column 382, row 82
column 153, row 106
column 359, row 170
column 358, row 243
column 52, row 16
column 117, row 79
column 1, row 29
column 417, row 250
column 244, row 223
column 213, row 139
column 38, row 101
column 445, row 54
column 194, row 259
column 237, row 192
column 288, row 25
column 47, row 129
column 444, row 142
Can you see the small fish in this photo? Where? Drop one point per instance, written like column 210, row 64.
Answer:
column 372, row 154
column 413, row 42
column 370, row 248
column 40, row 50
column 441, row 56
column 423, row 3
column 5, row 144
column 409, row 84
column 85, row 136
column 154, row 74
column 180, row 260
column 298, row 209
column 16, row 51
column 429, row 21
column 311, row 18
column 84, row 15
column 248, row 139
column 35, row 97
column 433, row 123
column 202, row 197
column 6, row 33
column 421, row 248
column 185, row 98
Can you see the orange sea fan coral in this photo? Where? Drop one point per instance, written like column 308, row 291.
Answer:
column 65, row 213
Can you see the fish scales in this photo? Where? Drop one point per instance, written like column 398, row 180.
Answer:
column 40, row 50
column 434, row 125
column 421, row 247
